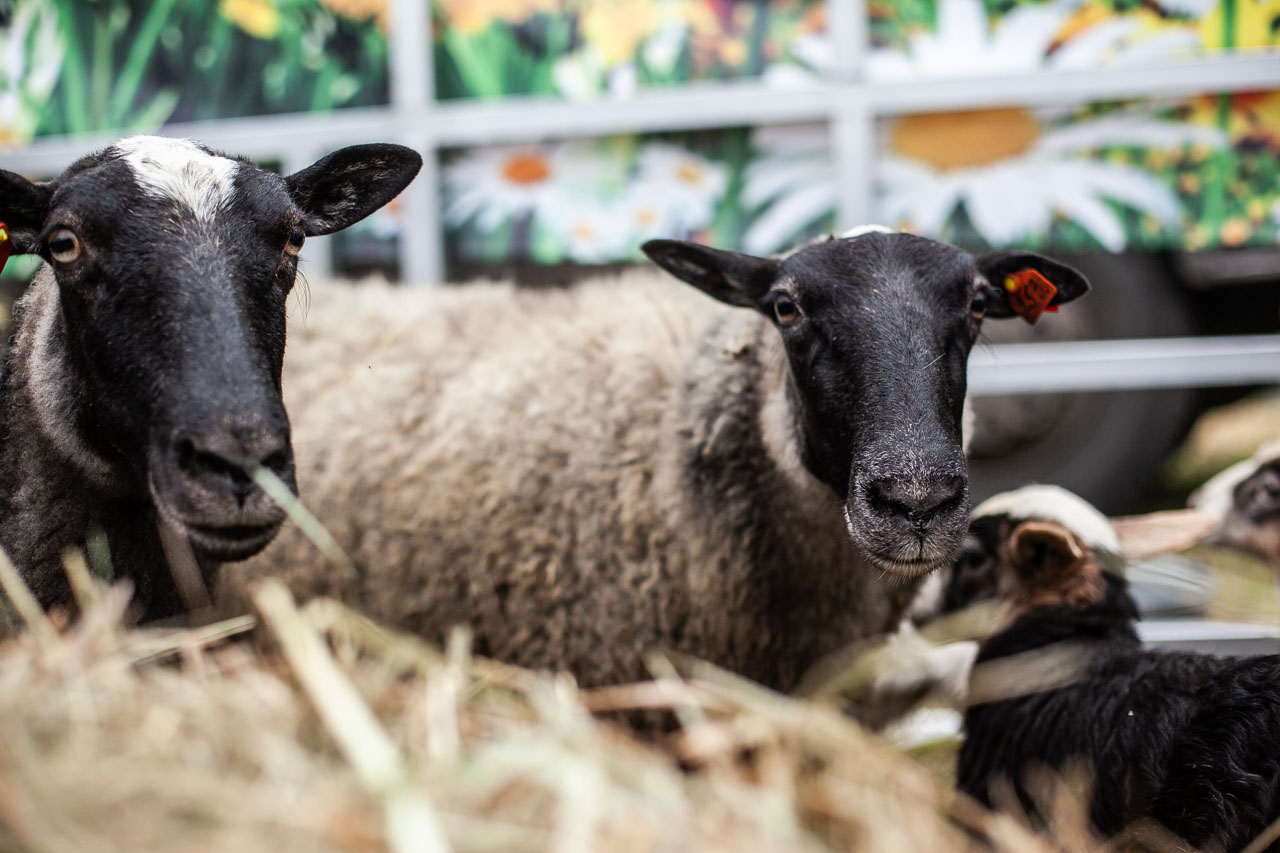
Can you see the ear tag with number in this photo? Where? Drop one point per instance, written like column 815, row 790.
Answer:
column 6, row 245
column 1030, row 294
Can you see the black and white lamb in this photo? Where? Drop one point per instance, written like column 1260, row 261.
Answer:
column 585, row 475
column 1245, row 501
column 1189, row 741
column 144, row 376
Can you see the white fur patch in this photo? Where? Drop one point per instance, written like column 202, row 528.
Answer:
column 1215, row 497
column 1054, row 503
column 968, row 422
column 49, row 382
column 180, row 170
column 869, row 228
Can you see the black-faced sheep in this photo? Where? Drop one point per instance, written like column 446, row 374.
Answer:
column 144, row 376
column 1189, row 741
column 589, row 474
column 1245, row 501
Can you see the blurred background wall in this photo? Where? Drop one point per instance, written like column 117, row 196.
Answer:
column 1139, row 138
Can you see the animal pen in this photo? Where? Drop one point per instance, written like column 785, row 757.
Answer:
column 326, row 731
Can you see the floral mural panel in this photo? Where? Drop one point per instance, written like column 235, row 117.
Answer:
column 1200, row 173
column 582, row 49
column 74, row 66
column 921, row 39
column 596, row 201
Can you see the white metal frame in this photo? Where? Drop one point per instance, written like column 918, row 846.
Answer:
column 848, row 103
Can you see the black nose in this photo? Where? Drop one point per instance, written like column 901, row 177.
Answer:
column 916, row 502
column 225, row 457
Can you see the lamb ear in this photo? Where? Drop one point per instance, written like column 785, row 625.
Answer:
column 23, row 207
column 342, row 188
column 731, row 277
column 1043, row 551
column 1071, row 284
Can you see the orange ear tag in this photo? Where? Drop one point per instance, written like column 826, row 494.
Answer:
column 6, row 245
column 1030, row 294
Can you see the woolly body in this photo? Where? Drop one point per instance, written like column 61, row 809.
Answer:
column 661, row 501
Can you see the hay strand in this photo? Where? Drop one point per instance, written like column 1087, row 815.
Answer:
column 412, row 825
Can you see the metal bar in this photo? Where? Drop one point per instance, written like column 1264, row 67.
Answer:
column 420, row 247
column 853, row 148
column 689, row 107
column 421, row 235
column 707, row 105
column 1240, row 72
column 1125, row 364
column 847, row 32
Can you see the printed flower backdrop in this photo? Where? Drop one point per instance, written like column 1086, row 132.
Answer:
column 71, row 66
column 1191, row 174
column 593, row 201
column 914, row 39
column 1184, row 175
column 586, row 48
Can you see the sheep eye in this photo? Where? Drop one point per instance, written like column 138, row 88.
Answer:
column 294, row 244
column 786, row 310
column 64, row 247
column 978, row 307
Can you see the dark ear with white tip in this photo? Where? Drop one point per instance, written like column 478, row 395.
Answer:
column 731, row 277
column 342, row 188
column 1071, row 284
column 1043, row 552
column 23, row 207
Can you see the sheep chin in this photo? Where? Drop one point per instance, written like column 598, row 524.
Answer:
column 896, row 558
column 228, row 543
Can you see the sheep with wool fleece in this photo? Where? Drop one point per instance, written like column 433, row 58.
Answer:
column 584, row 475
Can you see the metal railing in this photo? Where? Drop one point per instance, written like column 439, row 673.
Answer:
column 847, row 102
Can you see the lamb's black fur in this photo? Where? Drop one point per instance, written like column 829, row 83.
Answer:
column 144, row 378
column 1189, row 740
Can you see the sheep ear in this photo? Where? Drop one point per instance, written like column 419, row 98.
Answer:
column 23, row 207
column 731, row 277
column 1071, row 284
column 1043, row 551
column 344, row 187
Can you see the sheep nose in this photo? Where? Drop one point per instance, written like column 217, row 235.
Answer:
column 224, row 458
column 916, row 503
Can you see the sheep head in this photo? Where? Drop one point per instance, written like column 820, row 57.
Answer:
column 159, row 333
column 877, row 330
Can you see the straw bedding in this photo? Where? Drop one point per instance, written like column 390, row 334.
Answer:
column 328, row 732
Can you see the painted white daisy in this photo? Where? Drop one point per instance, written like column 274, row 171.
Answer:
column 688, row 184
column 491, row 186
column 31, row 53
column 644, row 213
column 966, row 43
column 791, row 182
column 591, row 231
column 1014, row 175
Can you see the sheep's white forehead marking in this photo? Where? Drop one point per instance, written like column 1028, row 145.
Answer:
column 1054, row 503
column 869, row 228
column 180, row 170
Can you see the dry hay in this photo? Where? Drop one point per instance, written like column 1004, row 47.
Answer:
column 337, row 734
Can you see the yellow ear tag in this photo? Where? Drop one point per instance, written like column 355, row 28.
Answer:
column 6, row 245
column 1030, row 294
